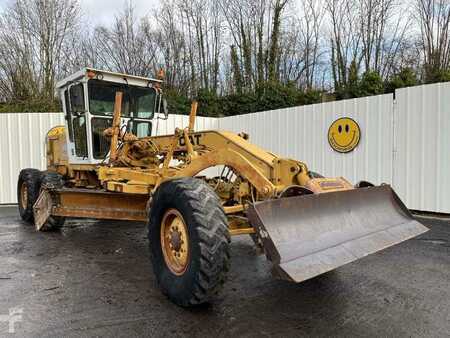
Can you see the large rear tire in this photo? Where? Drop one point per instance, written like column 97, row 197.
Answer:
column 189, row 241
column 28, row 187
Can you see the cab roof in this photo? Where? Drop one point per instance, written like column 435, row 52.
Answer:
column 88, row 73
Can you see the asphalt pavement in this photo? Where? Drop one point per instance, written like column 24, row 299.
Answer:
column 95, row 279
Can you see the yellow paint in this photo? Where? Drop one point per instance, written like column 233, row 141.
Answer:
column 57, row 157
column 143, row 164
column 174, row 236
column 128, row 188
column 344, row 135
column 238, row 226
column 234, row 209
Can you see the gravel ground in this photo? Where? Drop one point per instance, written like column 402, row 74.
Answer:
column 94, row 279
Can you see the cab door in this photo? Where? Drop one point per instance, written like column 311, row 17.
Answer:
column 77, row 126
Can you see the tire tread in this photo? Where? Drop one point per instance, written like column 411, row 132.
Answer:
column 213, row 235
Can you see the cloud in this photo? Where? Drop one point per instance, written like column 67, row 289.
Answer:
column 102, row 12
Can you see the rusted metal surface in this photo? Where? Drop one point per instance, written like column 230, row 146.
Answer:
column 42, row 209
column 116, row 127
column 174, row 236
column 100, row 204
column 306, row 236
column 193, row 115
column 234, row 209
column 325, row 185
column 238, row 225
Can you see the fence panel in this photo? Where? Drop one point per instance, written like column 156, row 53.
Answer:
column 167, row 127
column 422, row 147
column 302, row 133
column 22, row 143
column 406, row 143
column 22, row 146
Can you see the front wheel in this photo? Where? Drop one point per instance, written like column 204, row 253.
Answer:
column 189, row 241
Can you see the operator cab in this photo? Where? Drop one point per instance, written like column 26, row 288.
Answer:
column 88, row 99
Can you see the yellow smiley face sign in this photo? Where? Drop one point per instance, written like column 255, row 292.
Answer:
column 344, row 135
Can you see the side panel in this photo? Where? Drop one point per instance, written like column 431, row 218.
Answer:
column 100, row 205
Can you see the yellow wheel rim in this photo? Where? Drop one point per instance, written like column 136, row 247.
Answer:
column 24, row 195
column 175, row 242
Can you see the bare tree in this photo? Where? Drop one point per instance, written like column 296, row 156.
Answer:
column 203, row 25
column 236, row 46
column 34, row 33
column 433, row 16
column 128, row 46
column 345, row 40
column 172, row 53
column 300, row 48
column 383, row 28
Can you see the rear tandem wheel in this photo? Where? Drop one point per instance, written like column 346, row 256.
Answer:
column 29, row 186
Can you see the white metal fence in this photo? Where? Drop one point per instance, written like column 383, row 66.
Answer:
column 302, row 133
column 404, row 142
column 22, row 146
column 422, row 147
column 22, row 143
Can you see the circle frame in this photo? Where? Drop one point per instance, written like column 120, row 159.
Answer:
column 342, row 150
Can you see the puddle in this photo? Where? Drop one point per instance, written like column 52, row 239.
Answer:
column 434, row 241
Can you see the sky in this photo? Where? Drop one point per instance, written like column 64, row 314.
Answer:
column 101, row 12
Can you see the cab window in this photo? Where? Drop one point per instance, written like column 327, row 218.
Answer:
column 100, row 143
column 79, row 133
column 77, row 99
column 102, row 96
column 68, row 117
column 137, row 102
column 140, row 128
column 145, row 102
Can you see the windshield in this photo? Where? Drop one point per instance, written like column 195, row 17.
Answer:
column 137, row 102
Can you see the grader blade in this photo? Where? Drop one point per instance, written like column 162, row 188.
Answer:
column 305, row 236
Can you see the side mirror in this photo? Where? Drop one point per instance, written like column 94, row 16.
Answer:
column 77, row 99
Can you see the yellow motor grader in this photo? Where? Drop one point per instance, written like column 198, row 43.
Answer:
column 107, row 163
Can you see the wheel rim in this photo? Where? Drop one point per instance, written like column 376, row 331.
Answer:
column 175, row 242
column 24, row 195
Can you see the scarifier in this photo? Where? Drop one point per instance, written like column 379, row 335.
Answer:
column 107, row 163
